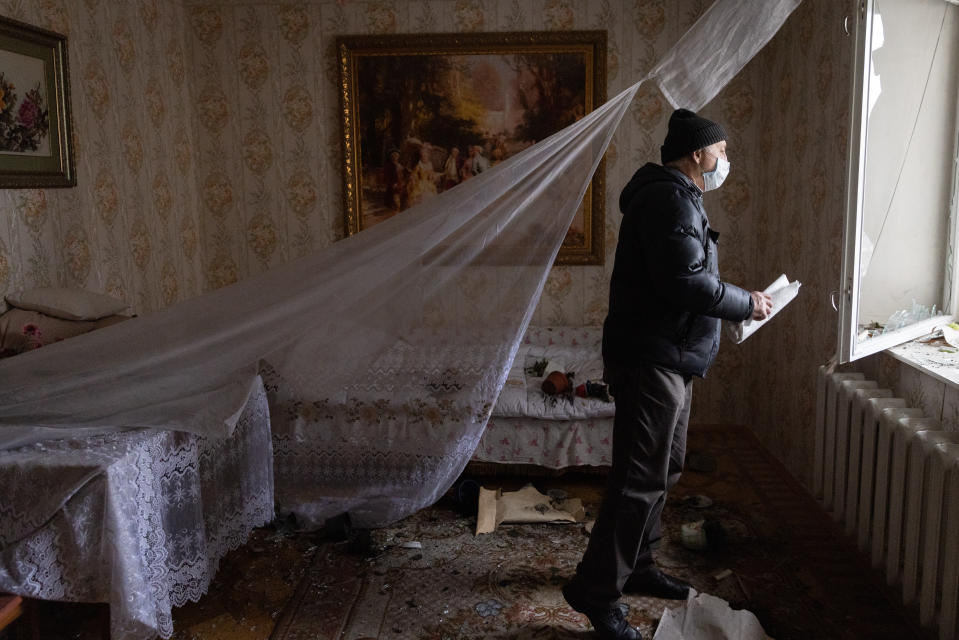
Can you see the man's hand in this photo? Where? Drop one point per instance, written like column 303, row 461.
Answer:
column 762, row 305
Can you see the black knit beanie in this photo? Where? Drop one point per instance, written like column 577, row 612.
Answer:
column 687, row 133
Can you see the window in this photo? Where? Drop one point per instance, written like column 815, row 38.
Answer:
column 899, row 273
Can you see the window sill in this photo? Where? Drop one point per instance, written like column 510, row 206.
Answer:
column 929, row 359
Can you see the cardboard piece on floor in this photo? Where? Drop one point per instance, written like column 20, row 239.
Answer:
column 707, row 617
column 525, row 505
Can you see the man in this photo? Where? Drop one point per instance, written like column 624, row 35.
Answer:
column 451, row 169
column 666, row 303
column 480, row 162
column 394, row 177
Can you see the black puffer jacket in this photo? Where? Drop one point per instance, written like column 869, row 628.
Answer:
column 665, row 296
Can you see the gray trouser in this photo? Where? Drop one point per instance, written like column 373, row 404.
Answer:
column 649, row 447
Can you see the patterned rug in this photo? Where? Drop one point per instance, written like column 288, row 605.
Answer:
column 772, row 551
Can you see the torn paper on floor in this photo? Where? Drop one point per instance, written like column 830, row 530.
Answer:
column 782, row 291
column 525, row 505
column 707, row 617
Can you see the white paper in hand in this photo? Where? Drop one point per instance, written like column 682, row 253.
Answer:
column 782, row 291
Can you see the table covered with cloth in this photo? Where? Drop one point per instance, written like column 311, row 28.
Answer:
column 138, row 519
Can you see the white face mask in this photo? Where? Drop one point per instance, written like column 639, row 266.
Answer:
column 712, row 179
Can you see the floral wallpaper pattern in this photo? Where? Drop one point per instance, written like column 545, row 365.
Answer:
column 937, row 399
column 119, row 231
column 208, row 148
column 797, row 209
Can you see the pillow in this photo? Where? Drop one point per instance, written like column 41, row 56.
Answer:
column 69, row 304
column 22, row 330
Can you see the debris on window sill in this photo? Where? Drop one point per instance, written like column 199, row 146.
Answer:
column 936, row 354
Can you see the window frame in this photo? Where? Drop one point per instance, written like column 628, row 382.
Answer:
column 849, row 347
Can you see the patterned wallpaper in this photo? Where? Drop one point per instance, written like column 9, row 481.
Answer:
column 804, row 75
column 269, row 134
column 936, row 398
column 268, row 140
column 266, row 97
column 208, row 147
column 131, row 226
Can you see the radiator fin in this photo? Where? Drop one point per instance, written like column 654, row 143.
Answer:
column 891, row 476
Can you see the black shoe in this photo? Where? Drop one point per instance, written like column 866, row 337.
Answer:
column 610, row 623
column 653, row 582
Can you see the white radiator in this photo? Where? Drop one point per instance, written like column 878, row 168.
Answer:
column 891, row 476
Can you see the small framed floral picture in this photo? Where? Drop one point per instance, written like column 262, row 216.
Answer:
column 36, row 148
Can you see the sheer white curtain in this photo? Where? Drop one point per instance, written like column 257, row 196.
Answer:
column 416, row 319
column 717, row 47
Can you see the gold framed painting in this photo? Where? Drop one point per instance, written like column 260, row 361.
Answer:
column 36, row 147
column 458, row 104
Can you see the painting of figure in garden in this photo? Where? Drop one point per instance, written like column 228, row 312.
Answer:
column 429, row 122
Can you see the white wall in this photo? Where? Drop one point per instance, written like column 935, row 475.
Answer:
column 910, row 137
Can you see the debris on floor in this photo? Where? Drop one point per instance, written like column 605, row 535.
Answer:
column 525, row 505
column 707, row 617
column 698, row 501
column 702, row 535
column 693, row 536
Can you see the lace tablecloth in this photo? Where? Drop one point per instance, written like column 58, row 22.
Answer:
column 138, row 519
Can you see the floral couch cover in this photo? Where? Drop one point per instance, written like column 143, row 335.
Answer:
column 530, row 428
